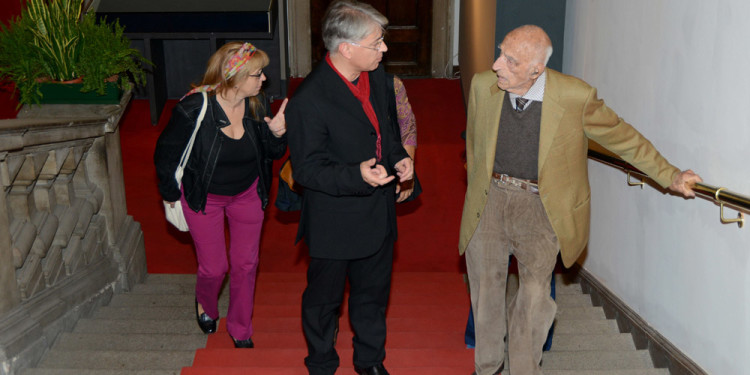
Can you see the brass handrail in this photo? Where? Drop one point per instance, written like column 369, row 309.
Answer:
column 721, row 195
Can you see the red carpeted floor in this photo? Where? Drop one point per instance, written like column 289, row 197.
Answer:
column 429, row 302
column 428, row 226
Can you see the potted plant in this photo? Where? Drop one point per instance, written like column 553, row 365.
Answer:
column 57, row 41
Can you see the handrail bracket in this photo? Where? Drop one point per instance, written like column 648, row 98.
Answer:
column 740, row 220
column 631, row 183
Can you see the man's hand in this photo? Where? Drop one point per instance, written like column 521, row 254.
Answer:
column 374, row 174
column 405, row 169
column 683, row 183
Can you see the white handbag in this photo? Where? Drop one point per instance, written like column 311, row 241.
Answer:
column 175, row 214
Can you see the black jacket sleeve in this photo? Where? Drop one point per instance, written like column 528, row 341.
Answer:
column 169, row 147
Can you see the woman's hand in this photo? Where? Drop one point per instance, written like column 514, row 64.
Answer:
column 277, row 124
column 404, row 190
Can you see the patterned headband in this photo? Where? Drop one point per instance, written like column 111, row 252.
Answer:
column 235, row 63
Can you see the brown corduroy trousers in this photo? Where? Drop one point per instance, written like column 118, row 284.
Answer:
column 513, row 223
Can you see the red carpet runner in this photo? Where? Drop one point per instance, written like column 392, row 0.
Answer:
column 429, row 302
column 426, row 321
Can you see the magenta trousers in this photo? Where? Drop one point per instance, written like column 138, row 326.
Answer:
column 245, row 216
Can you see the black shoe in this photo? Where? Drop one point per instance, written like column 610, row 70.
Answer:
column 207, row 324
column 374, row 370
column 243, row 343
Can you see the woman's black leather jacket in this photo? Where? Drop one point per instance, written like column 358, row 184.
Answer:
column 200, row 166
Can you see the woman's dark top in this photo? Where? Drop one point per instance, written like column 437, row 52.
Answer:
column 236, row 168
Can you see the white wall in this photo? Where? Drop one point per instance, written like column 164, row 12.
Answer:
column 678, row 71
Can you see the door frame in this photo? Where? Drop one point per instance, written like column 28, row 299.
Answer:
column 300, row 51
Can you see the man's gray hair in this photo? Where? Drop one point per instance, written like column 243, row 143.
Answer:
column 547, row 54
column 349, row 21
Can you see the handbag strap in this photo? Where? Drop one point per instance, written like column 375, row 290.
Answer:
column 189, row 148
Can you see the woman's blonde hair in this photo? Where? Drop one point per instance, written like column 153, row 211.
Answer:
column 215, row 71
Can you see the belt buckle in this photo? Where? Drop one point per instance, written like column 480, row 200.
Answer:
column 525, row 185
column 511, row 181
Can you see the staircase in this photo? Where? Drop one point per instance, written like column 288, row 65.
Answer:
column 585, row 342
column 152, row 331
column 149, row 331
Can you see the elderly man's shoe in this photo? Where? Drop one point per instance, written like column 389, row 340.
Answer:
column 374, row 370
column 205, row 322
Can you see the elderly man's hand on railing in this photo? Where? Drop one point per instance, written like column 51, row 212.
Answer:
column 684, row 182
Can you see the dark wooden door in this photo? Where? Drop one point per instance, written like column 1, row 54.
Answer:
column 409, row 34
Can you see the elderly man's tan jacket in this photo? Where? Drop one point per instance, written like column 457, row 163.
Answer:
column 571, row 115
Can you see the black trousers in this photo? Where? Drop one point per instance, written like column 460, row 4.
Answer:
column 369, row 289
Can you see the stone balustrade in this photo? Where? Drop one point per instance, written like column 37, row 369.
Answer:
column 66, row 241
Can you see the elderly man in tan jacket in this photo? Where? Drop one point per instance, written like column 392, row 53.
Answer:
column 528, row 192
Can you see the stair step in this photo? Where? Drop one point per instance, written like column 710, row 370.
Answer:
column 292, row 300
column 286, row 357
column 283, row 324
column 188, row 312
column 118, row 327
column 562, row 285
column 580, row 313
column 211, row 370
column 130, row 342
column 586, row 327
column 457, row 312
column 578, row 342
column 105, row 359
column 189, row 288
column 597, row 360
column 302, row 371
column 396, row 340
column 184, row 312
column 400, row 370
column 170, row 278
column 567, row 289
column 573, row 300
column 642, row 371
column 451, row 312
column 78, row 371
column 398, row 277
column 136, row 313
column 166, row 289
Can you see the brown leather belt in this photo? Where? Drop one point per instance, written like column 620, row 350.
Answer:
column 529, row 185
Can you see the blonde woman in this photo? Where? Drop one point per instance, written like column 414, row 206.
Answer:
column 228, row 175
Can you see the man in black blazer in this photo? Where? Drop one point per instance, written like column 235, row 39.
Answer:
column 346, row 153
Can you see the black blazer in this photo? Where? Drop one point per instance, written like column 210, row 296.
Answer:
column 329, row 135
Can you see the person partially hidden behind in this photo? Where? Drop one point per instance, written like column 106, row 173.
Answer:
column 227, row 175
column 346, row 153
column 407, row 124
column 528, row 192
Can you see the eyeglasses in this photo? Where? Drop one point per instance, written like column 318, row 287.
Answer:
column 376, row 47
column 256, row 75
